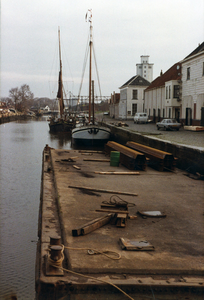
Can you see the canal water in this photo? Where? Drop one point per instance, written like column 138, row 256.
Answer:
column 21, row 147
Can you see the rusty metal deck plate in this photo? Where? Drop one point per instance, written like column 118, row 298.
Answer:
column 177, row 239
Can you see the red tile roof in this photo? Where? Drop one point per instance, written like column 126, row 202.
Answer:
column 174, row 73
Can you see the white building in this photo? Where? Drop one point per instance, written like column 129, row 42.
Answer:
column 145, row 69
column 162, row 97
column 193, row 87
column 179, row 92
column 132, row 96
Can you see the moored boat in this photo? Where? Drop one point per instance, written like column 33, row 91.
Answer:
column 91, row 133
column 66, row 122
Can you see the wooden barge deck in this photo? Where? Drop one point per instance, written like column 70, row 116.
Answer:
column 172, row 268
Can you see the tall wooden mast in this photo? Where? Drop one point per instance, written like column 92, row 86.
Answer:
column 90, row 63
column 60, row 84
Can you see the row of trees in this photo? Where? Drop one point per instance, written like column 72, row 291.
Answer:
column 22, row 97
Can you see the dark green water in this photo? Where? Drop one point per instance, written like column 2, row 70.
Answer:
column 21, row 147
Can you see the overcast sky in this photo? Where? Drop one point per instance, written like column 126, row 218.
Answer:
column 123, row 30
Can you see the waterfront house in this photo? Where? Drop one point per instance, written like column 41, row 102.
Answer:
column 193, row 87
column 162, row 96
column 114, row 105
column 132, row 96
column 179, row 92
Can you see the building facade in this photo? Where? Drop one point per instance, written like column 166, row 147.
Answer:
column 193, row 87
column 114, row 105
column 132, row 96
column 179, row 92
column 163, row 96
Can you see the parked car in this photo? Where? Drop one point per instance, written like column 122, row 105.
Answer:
column 140, row 117
column 168, row 124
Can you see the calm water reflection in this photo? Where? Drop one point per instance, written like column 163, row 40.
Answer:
column 21, row 146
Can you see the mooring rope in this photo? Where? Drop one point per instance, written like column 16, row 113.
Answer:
column 115, row 255
column 58, row 263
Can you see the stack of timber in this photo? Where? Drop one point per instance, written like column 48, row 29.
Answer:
column 158, row 158
column 194, row 128
column 128, row 157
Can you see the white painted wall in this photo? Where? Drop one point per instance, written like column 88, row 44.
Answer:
column 145, row 69
column 193, row 89
column 126, row 95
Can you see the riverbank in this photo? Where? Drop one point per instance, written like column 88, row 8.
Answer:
column 13, row 117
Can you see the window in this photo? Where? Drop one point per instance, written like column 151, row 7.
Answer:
column 134, row 94
column 163, row 112
column 203, row 68
column 167, row 92
column 134, row 108
column 176, row 91
column 188, row 73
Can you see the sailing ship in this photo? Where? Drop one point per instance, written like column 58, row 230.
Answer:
column 66, row 122
column 91, row 133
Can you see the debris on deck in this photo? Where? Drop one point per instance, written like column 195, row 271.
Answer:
column 82, row 216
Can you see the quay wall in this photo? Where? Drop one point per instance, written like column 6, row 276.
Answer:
column 11, row 118
column 189, row 158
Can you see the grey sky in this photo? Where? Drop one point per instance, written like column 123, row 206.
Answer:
column 166, row 30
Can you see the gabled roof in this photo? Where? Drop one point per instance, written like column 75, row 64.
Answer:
column 136, row 80
column 174, row 73
column 199, row 49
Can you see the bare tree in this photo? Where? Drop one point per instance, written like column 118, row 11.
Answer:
column 14, row 95
column 21, row 97
column 26, row 96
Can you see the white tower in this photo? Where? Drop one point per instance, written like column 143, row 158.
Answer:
column 145, row 69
